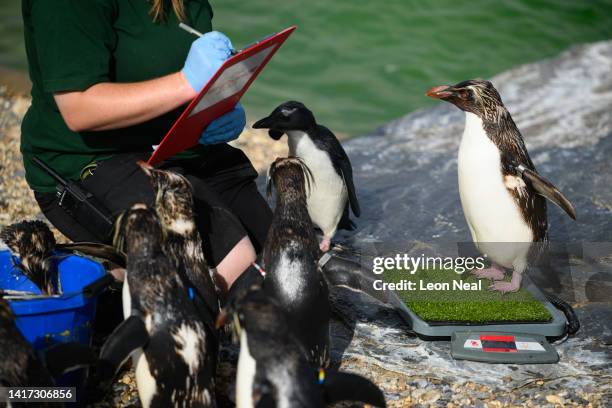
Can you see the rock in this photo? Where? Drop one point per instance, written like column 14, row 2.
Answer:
column 554, row 399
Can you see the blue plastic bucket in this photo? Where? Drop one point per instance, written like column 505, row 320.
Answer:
column 46, row 321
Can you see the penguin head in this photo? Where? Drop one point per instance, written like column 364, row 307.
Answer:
column 173, row 194
column 291, row 177
column 33, row 243
column 476, row 96
column 286, row 117
column 252, row 310
column 28, row 239
column 138, row 232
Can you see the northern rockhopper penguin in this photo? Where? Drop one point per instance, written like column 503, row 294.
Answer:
column 333, row 188
column 290, row 259
column 163, row 330
column 32, row 242
column 501, row 192
column 21, row 366
column 273, row 370
column 182, row 241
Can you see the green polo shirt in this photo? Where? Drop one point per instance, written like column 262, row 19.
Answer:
column 74, row 44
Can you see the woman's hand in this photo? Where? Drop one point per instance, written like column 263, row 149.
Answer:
column 225, row 128
column 206, row 55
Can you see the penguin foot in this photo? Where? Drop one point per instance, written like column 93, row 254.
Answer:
column 504, row 287
column 493, row 273
column 325, row 244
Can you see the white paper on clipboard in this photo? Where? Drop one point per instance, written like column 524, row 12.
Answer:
column 232, row 80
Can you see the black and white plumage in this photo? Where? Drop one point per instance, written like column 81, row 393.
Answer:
column 182, row 241
column 502, row 195
column 333, row 189
column 272, row 368
column 163, row 330
column 290, row 258
column 21, row 366
column 33, row 243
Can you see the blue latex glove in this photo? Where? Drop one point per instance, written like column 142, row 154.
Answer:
column 225, row 128
column 206, row 55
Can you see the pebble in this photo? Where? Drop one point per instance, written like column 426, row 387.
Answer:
column 430, row 397
column 554, row 399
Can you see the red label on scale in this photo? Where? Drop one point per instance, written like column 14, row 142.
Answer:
column 498, row 344
column 496, row 338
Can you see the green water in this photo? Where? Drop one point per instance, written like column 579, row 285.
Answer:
column 359, row 64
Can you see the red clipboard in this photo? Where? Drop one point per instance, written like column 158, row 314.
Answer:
column 219, row 96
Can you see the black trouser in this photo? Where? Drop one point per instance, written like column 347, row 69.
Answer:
column 227, row 203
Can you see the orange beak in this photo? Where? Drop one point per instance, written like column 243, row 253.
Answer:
column 439, row 92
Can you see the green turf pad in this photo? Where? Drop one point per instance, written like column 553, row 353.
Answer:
column 463, row 306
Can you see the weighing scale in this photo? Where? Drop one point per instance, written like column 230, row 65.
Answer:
column 495, row 342
column 511, row 342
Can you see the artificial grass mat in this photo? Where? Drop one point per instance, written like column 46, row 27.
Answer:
column 463, row 306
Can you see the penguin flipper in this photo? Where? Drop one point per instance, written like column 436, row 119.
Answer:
column 64, row 357
column 345, row 222
column 547, row 189
column 249, row 278
column 349, row 274
column 130, row 335
column 347, row 174
column 351, row 387
column 96, row 250
column 329, row 143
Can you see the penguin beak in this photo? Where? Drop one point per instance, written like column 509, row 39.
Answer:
column 440, row 92
column 265, row 123
column 268, row 123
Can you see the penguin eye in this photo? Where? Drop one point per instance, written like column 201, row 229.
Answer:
column 464, row 94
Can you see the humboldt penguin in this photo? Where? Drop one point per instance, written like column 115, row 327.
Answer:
column 23, row 367
column 272, row 368
column 32, row 242
column 182, row 241
column 333, row 189
column 163, row 330
column 290, row 259
column 502, row 194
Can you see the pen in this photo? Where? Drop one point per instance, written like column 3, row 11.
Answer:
column 193, row 31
